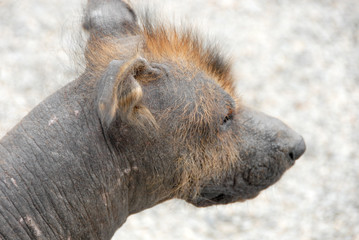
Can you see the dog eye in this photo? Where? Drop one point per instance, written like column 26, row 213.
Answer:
column 228, row 117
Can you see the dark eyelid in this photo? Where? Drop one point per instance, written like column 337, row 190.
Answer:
column 229, row 115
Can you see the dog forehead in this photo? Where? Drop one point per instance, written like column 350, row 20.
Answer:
column 180, row 85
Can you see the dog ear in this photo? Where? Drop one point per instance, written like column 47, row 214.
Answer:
column 120, row 93
column 110, row 17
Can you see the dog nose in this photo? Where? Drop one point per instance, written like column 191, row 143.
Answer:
column 297, row 149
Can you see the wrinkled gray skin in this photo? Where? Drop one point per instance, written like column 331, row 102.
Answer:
column 65, row 173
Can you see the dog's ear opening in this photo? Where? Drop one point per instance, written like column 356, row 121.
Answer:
column 120, row 94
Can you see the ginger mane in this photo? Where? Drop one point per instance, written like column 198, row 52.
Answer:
column 158, row 41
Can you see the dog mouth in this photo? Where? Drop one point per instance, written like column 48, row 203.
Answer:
column 209, row 199
column 240, row 188
column 206, row 199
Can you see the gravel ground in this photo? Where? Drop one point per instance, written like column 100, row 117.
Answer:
column 295, row 59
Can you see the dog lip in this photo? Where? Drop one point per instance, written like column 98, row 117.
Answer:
column 220, row 198
column 209, row 199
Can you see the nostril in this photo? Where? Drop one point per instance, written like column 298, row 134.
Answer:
column 297, row 150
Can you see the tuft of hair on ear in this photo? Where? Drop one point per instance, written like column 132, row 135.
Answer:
column 129, row 97
column 120, row 94
column 145, row 121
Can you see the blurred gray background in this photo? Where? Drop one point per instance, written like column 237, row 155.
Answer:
column 295, row 59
